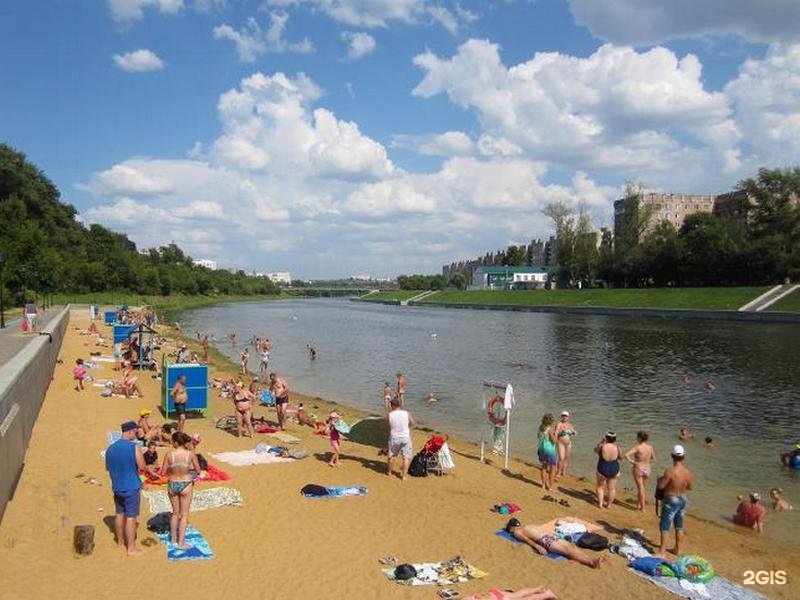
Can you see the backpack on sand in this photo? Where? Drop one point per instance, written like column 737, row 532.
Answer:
column 418, row 468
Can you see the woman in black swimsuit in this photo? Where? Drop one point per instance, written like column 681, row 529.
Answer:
column 608, row 457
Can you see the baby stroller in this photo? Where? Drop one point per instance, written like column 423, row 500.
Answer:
column 430, row 453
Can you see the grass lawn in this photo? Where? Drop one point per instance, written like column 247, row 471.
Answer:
column 160, row 303
column 790, row 303
column 397, row 295
column 730, row 298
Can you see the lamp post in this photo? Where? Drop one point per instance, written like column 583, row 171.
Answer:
column 2, row 283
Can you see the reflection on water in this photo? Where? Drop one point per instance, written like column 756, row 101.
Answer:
column 614, row 373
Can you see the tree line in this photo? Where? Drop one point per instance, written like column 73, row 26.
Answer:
column 760, row 247
column 45, row 250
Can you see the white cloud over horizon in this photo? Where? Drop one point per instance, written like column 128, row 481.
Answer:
column 289, row 180
column 127, row 11
column 138, row 61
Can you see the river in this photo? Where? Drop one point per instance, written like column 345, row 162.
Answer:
column 616, row 373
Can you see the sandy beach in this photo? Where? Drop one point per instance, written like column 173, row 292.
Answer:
column 282, row 545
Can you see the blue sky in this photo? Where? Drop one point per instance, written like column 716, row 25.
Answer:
column 339, row 137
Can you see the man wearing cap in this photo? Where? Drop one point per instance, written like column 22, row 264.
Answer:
column 123, row 461
column 751, row 513
column 672, row 486
column 183, row 355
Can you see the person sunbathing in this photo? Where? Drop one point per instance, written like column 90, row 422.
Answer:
column 154, row 433
column 537, row 593
column 544, row 542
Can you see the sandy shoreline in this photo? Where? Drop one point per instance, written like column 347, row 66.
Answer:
column 281, row 545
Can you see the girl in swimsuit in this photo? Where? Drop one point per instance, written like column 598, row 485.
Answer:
column 537, row 593
column 546, row 449
column 641, row 456
column 608, row 455
column 178, row 464
column 564, row 433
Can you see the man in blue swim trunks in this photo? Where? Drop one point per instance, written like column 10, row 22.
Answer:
column 673, row 485
column 124, row 459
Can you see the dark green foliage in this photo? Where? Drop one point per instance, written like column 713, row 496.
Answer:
column 46, row 250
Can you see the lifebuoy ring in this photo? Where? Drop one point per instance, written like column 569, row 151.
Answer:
column 492, row 414
column 694, row 568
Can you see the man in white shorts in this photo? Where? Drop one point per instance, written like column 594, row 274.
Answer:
column 400, row 423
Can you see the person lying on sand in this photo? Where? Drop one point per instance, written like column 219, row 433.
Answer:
column 537, row 593
column 543, row 542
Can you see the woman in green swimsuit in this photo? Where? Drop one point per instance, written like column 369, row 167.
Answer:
column 179, row 463
column 564, row 433
column 546, row 450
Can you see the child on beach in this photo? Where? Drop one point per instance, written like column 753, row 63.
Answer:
column 334, row 435
column 80, row 374
column 151, row 460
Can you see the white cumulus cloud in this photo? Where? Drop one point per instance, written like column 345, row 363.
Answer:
column 127, row 11
column 655, row 21
column 251, row 41
column 359, row 44
column 138, row 61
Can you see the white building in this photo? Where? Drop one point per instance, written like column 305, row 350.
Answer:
column 279, row 277
column 208, row 264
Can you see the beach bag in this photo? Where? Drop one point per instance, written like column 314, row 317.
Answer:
column 592, row 541
column 405, row 571
column 653, row 565
column 418, row 468
column 159, row 523
column 313, row 490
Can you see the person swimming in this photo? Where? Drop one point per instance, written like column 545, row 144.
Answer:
column 684, row 434
column 778, row 501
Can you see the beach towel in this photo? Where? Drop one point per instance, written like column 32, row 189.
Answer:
column 718, row 588
column 201, row 500
column 265, row 428
column 507, row 536
column 244, row 458
column 341, row 491
column 286, row 438
column 200, row 549
column 212, row 473
column 441, row 573
column 106, row 359
column 113, row 436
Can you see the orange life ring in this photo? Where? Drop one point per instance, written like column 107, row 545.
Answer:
column 490, row 413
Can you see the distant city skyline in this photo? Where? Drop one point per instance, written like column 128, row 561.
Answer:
column 331, row 138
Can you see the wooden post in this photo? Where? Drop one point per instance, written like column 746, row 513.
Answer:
column 83, row 539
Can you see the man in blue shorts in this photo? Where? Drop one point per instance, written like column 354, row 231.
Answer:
column 123, row 460
column 673, row 485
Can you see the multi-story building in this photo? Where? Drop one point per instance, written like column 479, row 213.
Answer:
column 208, row 264
column 661, row 207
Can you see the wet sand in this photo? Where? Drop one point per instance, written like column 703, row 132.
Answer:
column 281, row 545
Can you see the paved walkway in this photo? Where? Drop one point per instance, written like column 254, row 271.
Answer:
column 12, row 339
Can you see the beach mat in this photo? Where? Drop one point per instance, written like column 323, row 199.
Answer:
column 200, row 549
column 286, row 438
column 244, row 458
column 437, row 574
column 507, row 536
column 718, row 588
column 201, row 500
column 341, row 491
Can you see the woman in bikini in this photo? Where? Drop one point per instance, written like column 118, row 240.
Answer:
column 178, row 466
column 641, row 456
column 244, row 419
column 537, row 593
column 564, row 432
column 608, row 456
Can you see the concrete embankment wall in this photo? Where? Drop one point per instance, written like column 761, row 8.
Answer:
column 24, row 380
column 714, row 315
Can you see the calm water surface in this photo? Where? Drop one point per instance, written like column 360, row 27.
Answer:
column 614, row 373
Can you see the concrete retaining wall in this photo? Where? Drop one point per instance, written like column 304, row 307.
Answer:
column 665, row 313
column 23, row 384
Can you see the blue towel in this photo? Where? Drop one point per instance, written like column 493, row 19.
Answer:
column 718, row 588
column 343, row 491
column 199, row 550
column 507, row 536
column 267, row 398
